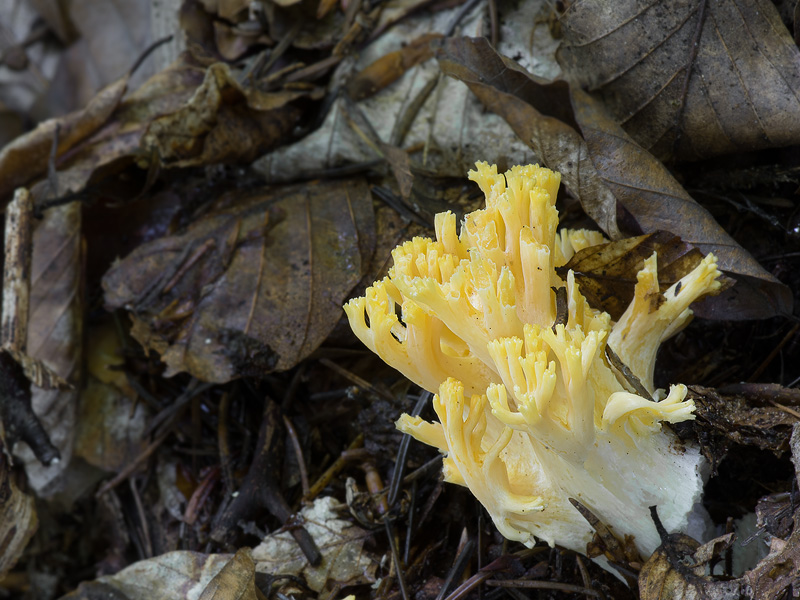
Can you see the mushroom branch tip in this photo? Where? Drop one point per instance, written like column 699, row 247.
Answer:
column 531, row 413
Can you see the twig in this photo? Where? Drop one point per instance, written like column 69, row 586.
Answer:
column 403, row 123
column 401, row 579
column 199, row 496
column 766, row 362
column 431, row 465
column 785, row 409
column 502, row 563
column 494, row 26
column 148, row 544
column 357, row 380
column 260, row 490
column 127, row 471
column 298, row 450
column 462, row 12
column 542, row 585
column 400, row 462
column 17, row 271
column 562, row 307
column 410, row 524
column 630, row 376
column 223, row 443
column 457, row 567
column 587, row 581
column 331, row 471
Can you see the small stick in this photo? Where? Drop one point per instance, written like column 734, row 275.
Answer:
column 533, row 584
column 401, row 578
column 400, row 461
column 331, row 471
column 17, row 271
column 298, row 450
column 223, row 443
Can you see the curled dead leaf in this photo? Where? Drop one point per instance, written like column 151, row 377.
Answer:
column 26, row 157
column 221, row 122
column 345, row 561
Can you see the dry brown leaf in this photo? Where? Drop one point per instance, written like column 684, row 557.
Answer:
column 26, row 157
column 55, row 333
column 221, row 122
column 110, row 433
column 184, row 115
column 607, row 273
column 179, row 575
column 253, row 288
column 390, row 67
column 605, row 166
column 677, row 570
column 779, row 573
column 236, row 580
column 18, row 520
column 344, row 559
column 741, row 91
column 119, row 138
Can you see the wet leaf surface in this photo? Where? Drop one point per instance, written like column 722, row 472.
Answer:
column 688, row 80
column 252, row 288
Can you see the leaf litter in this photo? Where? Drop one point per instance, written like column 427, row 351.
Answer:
column 252, row 186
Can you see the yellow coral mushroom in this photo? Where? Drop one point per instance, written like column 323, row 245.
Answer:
column 532, row 414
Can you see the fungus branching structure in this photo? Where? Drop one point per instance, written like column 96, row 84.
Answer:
column 530, row 413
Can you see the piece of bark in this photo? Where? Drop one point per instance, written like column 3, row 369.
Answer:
column 17, row 369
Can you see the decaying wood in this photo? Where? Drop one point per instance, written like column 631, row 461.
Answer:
column 18, row 422
column 17, row 271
